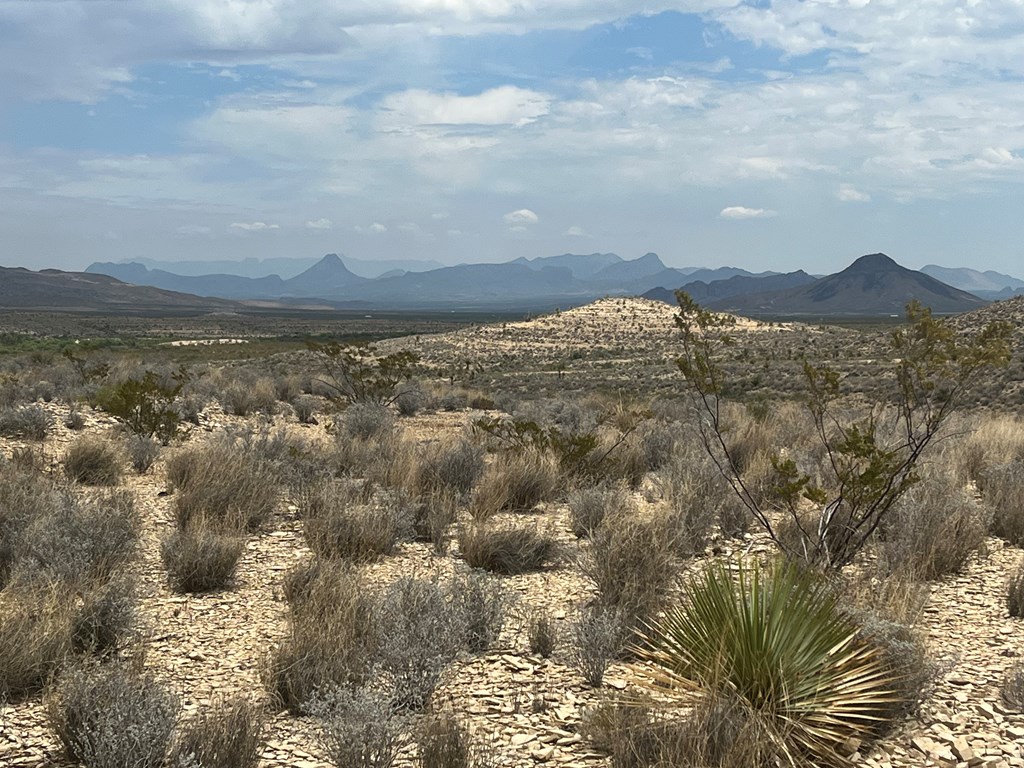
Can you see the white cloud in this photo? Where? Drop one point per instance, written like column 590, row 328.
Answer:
column 253, row 226
column 521, row 217
column 742, row 212
column 576, row 232
column 505, row 105
column 319, row 224
column 848, row 193
column 440, row 215
column 191, row 229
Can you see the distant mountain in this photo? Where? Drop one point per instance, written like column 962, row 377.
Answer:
column 737, row 285
column 327, row 277
column 872, row 285
column 582, row 266
column 52, row 289
column 220, row 285
column 987, row 285
column 284, row 268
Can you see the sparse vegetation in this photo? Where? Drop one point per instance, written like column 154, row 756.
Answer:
column 93, row 462
column 507, row 549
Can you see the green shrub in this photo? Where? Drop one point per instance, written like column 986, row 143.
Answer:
column 778, row 640
column 146, row 406
column 93, row 462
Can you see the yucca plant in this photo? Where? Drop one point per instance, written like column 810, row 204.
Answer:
column 776, row 639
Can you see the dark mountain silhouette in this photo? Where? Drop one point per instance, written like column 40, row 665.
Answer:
column 737, row 285
column 872, row 285
column 52, row 289
column 327, row 277
column 223, row 286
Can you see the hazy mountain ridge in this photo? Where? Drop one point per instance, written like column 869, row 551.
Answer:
column 987, row 285
column 736, row 285
column 284, row 267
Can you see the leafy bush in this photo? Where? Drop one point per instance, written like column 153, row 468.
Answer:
column 93, row 462
column 227, row 734
column 30, row 422
column 358, row 728
column 113, row 716
column 777, row 639
column 355, row 374
column 146, row 406
column 200, row 559
column 507, row 549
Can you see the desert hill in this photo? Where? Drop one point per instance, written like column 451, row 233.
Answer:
column 52, row 289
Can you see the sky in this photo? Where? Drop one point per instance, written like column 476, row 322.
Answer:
column 767, row 134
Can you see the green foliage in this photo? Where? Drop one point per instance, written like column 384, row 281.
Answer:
column 870, row 461
column 355, row 374
column 777, row 640
column 146, row 406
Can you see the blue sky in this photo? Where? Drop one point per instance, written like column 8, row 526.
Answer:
column 768, row 135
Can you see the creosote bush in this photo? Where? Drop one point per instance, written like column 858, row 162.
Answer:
column 146, row 405
column 93, row 461
column 507, row 549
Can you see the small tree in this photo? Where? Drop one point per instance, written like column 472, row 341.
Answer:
column 357, row 375
column 866, row 472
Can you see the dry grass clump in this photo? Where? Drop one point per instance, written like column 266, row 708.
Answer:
column 933, row 530
column 201, row 558
column 338, row 525
column 223, row 482
column 444, row 741
column 599, row 635
column 93, row 461
column 482, row 602
column 589, row 506
column 433, row 516
column 698, row 497
column 331, row 638
column 541, row 632
column 29, row 422
column 241, row 398
column 364, row 421
column 1003, row 487
column 631, row 561
column 1012, row 688
column 387, row 460
column 112, row 716
column 1015, row 592
column 451, row 467
column 105, row 619
column 227, row 733
column 35, row 637
column 359, row 727
column 516, row 481
column 143, row 451
column 507, row 549
column 994, row 441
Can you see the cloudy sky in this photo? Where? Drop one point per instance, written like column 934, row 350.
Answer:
column 769, row 134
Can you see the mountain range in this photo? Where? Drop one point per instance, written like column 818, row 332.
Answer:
column 987, row 285
column 528, row 283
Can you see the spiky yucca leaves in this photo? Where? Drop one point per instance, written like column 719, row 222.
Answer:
column 777, row 639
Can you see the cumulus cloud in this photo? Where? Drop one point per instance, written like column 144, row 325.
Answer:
column 253, row 226
column 505, row 105
column 576, row 232
column 742, row 212
column 848, row 193
column 374, row 229
column 519, row 220
column 319, row 224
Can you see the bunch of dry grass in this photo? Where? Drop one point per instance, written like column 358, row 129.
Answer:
column 507, row 549
column 227, row 733
column 201, row 558
column 338, row 525
column 93, row 461
column 516, row 481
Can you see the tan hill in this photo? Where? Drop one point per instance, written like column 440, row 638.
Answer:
column 52, row 289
